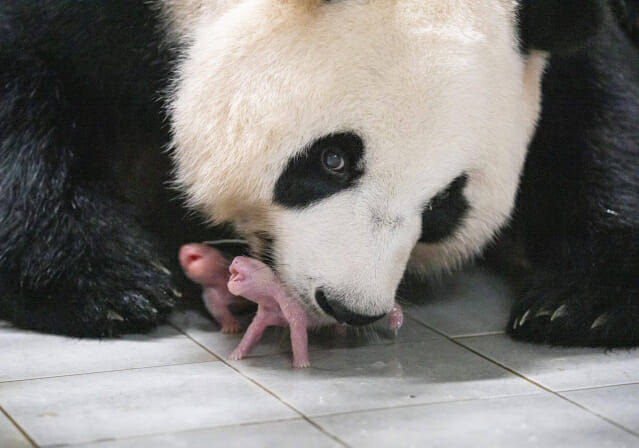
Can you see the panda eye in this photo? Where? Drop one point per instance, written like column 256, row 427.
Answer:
column 327, row 166
column 333, row 160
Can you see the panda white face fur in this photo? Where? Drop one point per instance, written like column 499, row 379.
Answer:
column 327, row 132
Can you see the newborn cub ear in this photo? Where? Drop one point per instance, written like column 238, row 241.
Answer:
column 559, row 25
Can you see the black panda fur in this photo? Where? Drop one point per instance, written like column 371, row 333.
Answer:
column 578, row 206
column 86, row 222
column 82, row 201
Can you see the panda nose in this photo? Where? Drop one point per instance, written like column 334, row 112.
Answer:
column 342, row 314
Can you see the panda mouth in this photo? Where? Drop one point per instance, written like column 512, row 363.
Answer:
column 341, row 314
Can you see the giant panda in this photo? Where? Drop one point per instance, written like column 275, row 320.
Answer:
column 349, row 141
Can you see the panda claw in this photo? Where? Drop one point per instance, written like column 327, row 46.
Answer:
column 160, row 267
column 516, row 323
column 600, row 321
column 524, row 318
column 543, row 312
column 114, row 315
column 559, row 312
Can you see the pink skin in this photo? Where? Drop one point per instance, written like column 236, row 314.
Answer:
column 206, row 266
column 254, row 280
column 395, row 317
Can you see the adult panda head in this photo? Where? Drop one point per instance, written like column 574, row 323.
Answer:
column 335, row 135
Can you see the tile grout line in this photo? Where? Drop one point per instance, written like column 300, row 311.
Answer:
column 552, row 392
column 479, row 335
column 38, row 378
column 419, row 405
column 18, row 427
column 377, row 409
column 555, row 393
column 531, row 381
column 182, row 431
column 456, row 340
column 379, row 341
column 606, row 386
column 603, row 417
column 423, row 323
column 301, row 414
column 452, row 339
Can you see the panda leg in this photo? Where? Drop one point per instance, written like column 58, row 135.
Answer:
column 73, row 260
column 79, row 269
column 579, row 197
column 94, row 274
column 588, row 298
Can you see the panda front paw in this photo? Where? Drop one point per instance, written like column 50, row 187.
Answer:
column 121, row 288
column 576, row 310
column 133, row 286
column 136, row 302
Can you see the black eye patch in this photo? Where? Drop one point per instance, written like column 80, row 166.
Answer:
column 445, row 212
column 329, row 165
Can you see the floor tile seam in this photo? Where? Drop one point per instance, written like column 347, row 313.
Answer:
column 439, row 332
column 311, row 349
column 41, row 378
column 477, row 335
column 268, row 391
column 184, row 431
column 20, row 429
column 317, row 350
column 428, row 404
column 596, row 414
column 485, row 357
column 547, row 389
column 455, row 340
column 326, row 432
column 602, row 386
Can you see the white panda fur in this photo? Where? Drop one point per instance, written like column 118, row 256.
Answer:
column 440, row 89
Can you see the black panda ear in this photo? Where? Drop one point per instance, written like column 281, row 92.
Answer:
column 559, row 25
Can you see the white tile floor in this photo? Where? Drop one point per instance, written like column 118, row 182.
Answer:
column 450, row 378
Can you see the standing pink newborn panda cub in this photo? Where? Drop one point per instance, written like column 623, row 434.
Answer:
column 253, row 280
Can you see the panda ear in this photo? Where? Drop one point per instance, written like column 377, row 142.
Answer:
column 559, row 25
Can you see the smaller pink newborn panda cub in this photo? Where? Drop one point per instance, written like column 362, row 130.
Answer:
column 252, row 279
column 207, row 267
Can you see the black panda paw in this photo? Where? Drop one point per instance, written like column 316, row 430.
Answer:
column 118, row 289
column 572, row 310
column 136, row 301
column 129, row 286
